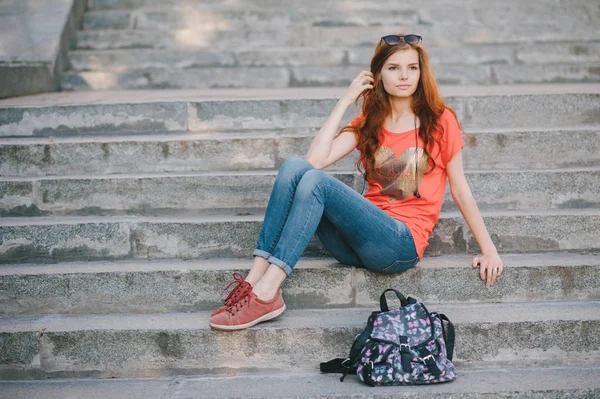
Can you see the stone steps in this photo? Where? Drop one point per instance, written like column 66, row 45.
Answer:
column 152, row 194
column 275, row 45
column 312, row 4
column 316, row 76
column 518, row 383
column 548, row 106
column 492, row 16
column 522, row 55
column 137, row 270
column 230, row 38
column 233, row 233
column 197, row 285
column 508, row 149
column 529, row 334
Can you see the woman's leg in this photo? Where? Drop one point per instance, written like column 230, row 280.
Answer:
column 331, row 239
column 380, row 242
column 336, row 244
column 277, row 212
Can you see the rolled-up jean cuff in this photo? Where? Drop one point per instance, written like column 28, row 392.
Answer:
column 261, row 253
column 281, row 264
column 275, row 261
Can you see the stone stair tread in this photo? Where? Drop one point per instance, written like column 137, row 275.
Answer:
column 268, row 172
column 272, row 76
column 468, row 313
column 250, row 134
column 542, row 260
column 145, row 175
column 579, row 381
column 188, row 95
column 229, row 215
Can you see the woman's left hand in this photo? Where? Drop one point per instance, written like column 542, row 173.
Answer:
column 490, row 267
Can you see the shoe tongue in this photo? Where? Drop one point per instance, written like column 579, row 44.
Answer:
column 245, row 289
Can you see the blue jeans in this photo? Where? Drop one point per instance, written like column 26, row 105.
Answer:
column 305, row 201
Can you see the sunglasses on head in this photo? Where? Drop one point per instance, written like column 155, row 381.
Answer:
column 409, row 39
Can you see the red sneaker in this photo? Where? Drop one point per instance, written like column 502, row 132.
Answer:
column 242, row 288
column 248, row 311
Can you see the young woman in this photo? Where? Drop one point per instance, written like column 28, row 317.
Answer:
column 409, row 142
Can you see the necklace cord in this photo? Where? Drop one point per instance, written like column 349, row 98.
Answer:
column 416, row 193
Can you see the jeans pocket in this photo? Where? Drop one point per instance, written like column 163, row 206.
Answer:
column 399, row 266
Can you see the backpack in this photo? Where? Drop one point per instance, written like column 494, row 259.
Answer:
column 404, row 346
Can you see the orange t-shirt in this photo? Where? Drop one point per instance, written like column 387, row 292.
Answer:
column 393, row 186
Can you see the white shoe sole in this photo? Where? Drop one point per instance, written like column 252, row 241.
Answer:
column 268, row 316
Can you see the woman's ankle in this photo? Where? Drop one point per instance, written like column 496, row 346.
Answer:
column 266, row 288
column 258, row 269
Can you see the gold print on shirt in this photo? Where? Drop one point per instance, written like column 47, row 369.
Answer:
column 397, row 176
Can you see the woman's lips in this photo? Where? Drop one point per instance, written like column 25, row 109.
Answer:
column 403, row 87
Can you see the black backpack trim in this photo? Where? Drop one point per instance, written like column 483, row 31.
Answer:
column 349, row 364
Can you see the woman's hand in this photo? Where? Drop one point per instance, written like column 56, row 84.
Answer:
column 363, row 81
column 490, row 267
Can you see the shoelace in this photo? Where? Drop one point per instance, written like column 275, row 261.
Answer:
column 242, row 288
column 239, row 304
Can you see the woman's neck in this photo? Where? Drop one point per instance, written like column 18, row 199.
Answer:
column 401, row 107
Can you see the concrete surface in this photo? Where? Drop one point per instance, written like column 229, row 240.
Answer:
column 195, row 285
column 70, row 238
column 520, row 383
column 34, row 39
column 504, row 149
column 528, row 334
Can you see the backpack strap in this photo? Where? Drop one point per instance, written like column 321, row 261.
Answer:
column 449, row 338
column 405, row 354
column 403, row 300
column 348, row 365
column 337, row 366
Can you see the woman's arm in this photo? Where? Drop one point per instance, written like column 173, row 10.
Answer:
column 324, row 150
column 490, row 263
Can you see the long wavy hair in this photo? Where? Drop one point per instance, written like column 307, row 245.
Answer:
column 427, row 104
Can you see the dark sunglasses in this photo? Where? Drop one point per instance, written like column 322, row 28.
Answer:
column 393, row 39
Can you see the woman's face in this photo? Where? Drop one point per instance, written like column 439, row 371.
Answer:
column 401, row 72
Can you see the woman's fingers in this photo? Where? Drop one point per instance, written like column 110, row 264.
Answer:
column 489, row 269
column 362, row 75
column 362, row 82
column 491, row 276
column 494, row 271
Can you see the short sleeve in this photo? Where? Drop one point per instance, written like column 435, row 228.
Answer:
column 452, row 141
column 354, row 122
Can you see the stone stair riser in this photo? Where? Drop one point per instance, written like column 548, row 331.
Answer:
column 316, row 76
column 382, row 5
column 524, row 55
column 253, row 38
column 183, row 239
column 546, row 18
column 537, row 111
column 149, row 353
column 338, row 286
column 507, row 151
column 181, row 195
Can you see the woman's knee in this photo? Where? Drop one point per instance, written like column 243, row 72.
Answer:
column 310, row 180
column 294, row 167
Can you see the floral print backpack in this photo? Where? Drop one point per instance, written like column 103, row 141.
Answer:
column 404, row 346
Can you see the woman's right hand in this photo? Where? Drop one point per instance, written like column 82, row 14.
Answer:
column 363, row 81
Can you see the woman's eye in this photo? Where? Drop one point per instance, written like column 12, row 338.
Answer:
column 392, row 68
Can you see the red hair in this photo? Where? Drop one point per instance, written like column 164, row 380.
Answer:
column 427, row 104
